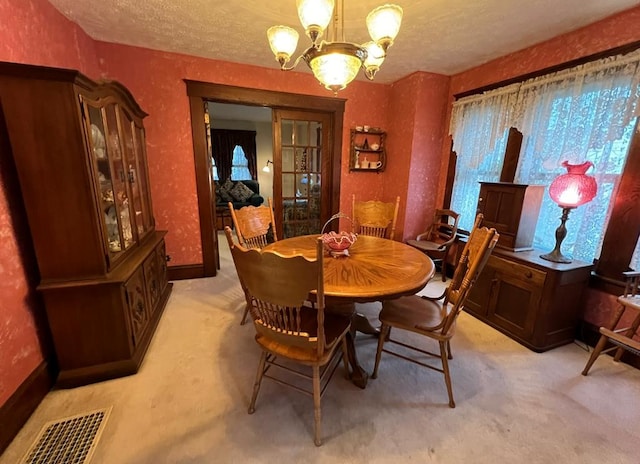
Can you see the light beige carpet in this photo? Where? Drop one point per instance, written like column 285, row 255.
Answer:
column 188, row 403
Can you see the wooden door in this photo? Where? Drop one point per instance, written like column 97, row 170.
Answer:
column 302, row 171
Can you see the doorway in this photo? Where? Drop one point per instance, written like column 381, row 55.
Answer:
column 200, row 93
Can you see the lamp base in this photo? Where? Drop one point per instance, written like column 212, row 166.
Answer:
column 556, row 257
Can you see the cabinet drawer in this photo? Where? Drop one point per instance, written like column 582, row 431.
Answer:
column 519, row 271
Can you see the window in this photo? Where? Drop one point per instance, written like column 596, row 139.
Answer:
column 234, row 154
column 214, row 169
column 239, row 165
column 582, row 113
column 635, row 260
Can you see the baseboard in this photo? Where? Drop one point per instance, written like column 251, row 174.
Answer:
column 19, row 407
column 590, row 334
column 186, row 271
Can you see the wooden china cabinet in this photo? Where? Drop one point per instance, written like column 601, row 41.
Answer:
column 79, row 151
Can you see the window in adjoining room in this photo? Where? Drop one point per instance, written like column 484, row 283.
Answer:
column 239, row 165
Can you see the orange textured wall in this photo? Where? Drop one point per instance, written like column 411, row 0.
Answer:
column 32, row 32
column 420, row 108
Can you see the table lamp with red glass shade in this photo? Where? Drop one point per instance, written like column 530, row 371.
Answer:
column 569, row 191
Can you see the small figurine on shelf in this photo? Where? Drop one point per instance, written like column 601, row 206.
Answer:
column 357, row 160
column 99, row 144
column 107, row 196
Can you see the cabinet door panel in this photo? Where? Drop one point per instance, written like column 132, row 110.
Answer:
column 138, row 307
column 155, row 279
column 161, row 257
column 499, row 209
column 514, row 303
column 478, row 299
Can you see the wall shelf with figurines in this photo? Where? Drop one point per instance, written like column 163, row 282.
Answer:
column 368, row 151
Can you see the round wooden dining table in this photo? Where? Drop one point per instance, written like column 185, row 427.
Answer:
column 375, row 269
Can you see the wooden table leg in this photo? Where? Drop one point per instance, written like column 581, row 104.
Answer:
column 358, row 375
column 362, row 324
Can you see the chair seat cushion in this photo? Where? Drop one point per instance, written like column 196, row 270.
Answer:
column 426, row 246
column 335, row 327
column 412, row 313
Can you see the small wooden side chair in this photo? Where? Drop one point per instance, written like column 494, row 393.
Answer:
column 435, row 318
column 375, row 218
column 627, row 337
column 286, row 328
column 438, row 238
column 255, row 225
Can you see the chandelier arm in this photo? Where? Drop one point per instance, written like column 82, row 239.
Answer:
column 283, row 66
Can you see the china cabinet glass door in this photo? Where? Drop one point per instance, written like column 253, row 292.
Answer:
column 108, row 164
column 118, row 165
column 143, row 181
column 135, row 175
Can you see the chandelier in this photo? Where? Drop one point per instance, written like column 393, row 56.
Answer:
column 335, row 63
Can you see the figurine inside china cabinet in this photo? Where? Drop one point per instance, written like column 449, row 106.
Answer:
column 99, row 144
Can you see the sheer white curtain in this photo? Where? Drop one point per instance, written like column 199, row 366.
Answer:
column 583, row 113
column 479, row 125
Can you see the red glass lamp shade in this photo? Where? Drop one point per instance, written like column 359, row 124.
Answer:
column 574, row 188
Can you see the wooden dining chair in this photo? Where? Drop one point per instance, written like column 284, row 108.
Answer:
column 435, row 318
column 255, row 225
column 374, row 218
column 627, row 337
column 247, row 297
column 436, row 241
column 286, row 328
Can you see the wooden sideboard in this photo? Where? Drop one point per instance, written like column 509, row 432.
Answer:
column 533, row 301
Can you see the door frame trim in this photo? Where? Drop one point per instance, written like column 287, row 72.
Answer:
column 199, row 92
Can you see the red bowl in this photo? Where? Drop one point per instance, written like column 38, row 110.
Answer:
column 338, row 243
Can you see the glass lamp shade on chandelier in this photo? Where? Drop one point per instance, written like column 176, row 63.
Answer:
column 336, row 63
column 569, row 191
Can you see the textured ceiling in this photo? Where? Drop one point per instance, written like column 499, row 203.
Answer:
column 440, row 36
